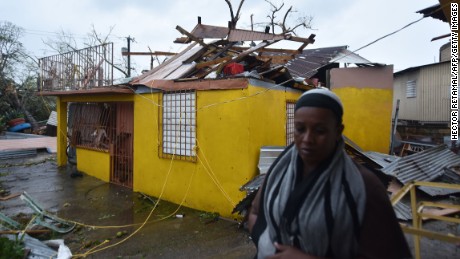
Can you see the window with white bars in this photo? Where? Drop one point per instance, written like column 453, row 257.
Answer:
column 179, row 124
column 289, row 122
column 411, row 89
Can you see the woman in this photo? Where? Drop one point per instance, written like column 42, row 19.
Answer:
column 316, row 202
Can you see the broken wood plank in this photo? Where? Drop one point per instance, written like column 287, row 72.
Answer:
column 282, row 59
column 224, row 49
column 290, row 51
column 311, row 39
column 183, row 31
column 212, row 62
column 238, row 58
column 182, row 40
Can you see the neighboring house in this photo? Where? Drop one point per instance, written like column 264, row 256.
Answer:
column 424, row 94
column 423, row 118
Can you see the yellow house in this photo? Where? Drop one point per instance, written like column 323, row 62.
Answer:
column 177, row 132
column 191, row 143
column 188, row 131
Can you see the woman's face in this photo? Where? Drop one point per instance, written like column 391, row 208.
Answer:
column 316, row 132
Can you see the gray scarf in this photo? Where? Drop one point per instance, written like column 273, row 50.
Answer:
column 323, row 217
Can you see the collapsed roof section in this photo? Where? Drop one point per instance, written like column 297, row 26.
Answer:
column 216, row 52
column 310, row 61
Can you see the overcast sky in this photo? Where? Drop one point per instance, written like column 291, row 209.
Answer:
column 152, row 23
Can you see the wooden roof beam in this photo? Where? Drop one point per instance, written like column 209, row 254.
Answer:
column 212, row 62
column 191, row 36
column 305, row 41
column 288, row 51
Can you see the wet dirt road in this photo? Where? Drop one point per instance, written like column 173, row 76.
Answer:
column 101, row 208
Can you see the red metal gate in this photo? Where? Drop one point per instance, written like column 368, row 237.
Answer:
column 122, row 147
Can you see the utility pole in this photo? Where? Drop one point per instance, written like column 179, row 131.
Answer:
column 393, row 132
column 129, row 39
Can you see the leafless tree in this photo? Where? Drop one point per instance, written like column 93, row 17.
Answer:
column 274, row 9
column 66, row 42
column 234, row 17
column 289, row 23
column 98, row 39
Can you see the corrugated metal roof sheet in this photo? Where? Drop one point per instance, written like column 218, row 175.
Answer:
column 173, row 68
column 309, row 61
column 346, row 56
column 380, row 158
column 428, row 165
column 268, row 155
column 448, row 177
column 423, row 166
column 254, row 184
column 434, row 11
column 402, row 211
column 359, row 155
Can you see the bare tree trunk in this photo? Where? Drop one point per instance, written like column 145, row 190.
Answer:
column 234, row 17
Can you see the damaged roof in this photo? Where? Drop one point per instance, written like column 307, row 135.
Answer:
column 216, row 52
column 434, row 11
column 307, row 63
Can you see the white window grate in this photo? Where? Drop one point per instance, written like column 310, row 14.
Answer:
column 179, row 124
column 411, row 89
column 289, row 122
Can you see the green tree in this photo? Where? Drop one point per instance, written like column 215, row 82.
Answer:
column 18, row 79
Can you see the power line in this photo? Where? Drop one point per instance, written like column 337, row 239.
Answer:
column 389, row 34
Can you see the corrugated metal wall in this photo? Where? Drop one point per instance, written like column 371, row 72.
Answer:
column 433, row 92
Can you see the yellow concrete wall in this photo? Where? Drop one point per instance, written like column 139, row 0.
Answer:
column 95, row 163
column 267, row 125
column 229, row 137
column 62, row 102
column 367, row 116
column 367, row 96
column 222, row 137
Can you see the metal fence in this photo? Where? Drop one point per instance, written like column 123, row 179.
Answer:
column 82, row 69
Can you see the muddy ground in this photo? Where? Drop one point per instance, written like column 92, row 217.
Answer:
column 101, row 209
column 172, row 231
